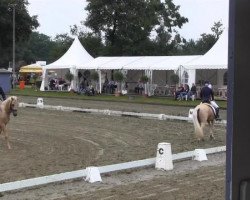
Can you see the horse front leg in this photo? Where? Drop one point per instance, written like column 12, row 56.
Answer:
column 211, row 130
column 6, row 136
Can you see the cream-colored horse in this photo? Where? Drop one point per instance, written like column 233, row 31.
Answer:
column 7, row 107
column 203, row 115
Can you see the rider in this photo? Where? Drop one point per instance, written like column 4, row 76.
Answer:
column 207, row 96
column 2, row 94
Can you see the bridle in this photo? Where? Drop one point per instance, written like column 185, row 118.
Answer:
column 12, row 109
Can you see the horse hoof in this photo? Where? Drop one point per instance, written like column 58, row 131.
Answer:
column 211, row 137
column 201, row 140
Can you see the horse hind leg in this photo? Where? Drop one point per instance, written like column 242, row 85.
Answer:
column 200, row 133
column 211, row 130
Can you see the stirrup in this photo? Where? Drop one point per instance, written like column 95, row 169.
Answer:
column 218, row 118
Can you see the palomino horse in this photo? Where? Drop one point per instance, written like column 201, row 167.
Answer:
column 6, row 108
column 203, row 115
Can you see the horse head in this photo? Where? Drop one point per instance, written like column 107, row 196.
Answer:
column 13, row 105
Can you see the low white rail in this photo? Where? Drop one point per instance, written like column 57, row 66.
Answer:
column 103, row 169
column 113, row 112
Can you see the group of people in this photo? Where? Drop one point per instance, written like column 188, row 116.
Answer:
column 184, row 91
column 54, row 83
column 139, row 88
column 86, row 88
column 109, row 86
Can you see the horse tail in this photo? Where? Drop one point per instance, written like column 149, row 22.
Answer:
column 197, row 126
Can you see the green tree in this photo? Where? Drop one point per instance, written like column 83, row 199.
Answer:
column 38, row 47
column 217, row 29
column 203, row 44
column 69, row 76
column 119, row 77
column 92, row 43
column 24, row 24
column 127, row 25
column 62, row 42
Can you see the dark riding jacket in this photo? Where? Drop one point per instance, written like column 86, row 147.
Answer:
column 2, row 93
column 206, row 94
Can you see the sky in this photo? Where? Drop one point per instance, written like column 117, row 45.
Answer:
column 56, row 16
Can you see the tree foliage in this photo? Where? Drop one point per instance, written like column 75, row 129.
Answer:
column 116, row 28
column 69, row 76
column 38, row 47
column 127, row 25
column 24, row 24
column 118, row 76
column 144, row 79
column 94, row 76
column 203, row 44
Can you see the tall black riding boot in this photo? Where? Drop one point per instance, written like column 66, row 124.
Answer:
column 217, row 117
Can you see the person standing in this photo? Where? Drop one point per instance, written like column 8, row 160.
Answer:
column 207, row 96
column 2, row 93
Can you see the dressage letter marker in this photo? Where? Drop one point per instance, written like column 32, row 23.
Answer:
column 200, row 155
column 40, row 102
column 164, row 157
column 93, row 175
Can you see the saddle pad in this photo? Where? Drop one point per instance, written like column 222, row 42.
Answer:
column 213, row 109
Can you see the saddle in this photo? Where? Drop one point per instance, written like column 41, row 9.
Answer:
column 213, row 109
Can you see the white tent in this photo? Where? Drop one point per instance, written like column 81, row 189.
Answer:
column 138, row 62
column 215, row 58
column 146, row 63
column 74, row 57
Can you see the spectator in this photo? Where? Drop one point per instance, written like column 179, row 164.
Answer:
column 178, row 92
column 52, row 83
column 185, row 92
column 2, row 94
column 193, row 91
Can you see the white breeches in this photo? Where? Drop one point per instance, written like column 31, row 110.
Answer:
column 215, row 105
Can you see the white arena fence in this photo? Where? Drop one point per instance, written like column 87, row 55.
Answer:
column 28, row 183
column 114, row 113
column 108, row 168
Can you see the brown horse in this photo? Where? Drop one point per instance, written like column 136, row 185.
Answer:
column 203, row 115
column 6, row 108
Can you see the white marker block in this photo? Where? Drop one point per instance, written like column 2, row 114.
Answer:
column 161, row 116
column 190, row 113
column 164, row 157
column 106, row 112
column 39, row 102
column 200, row 155
column 93, row 175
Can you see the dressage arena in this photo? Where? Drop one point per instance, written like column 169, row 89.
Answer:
column 49, row 142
